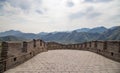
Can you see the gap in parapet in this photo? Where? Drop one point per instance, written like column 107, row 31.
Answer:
column 15, row 53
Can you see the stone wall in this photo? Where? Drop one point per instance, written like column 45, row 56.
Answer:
column 109, row 49
column 54, row 46
column 15, row 53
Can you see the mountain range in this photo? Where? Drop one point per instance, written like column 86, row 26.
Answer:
column 75, row 36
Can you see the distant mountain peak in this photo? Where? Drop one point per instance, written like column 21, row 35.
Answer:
column 42, row 33
column 100, row 29
column 76, row 36
column 12, row 31
column 114, row 27
column 83, row 30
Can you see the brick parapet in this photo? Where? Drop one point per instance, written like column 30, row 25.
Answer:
column 15, row 53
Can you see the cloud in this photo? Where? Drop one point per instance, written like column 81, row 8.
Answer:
column 39, row 11
column 24, row 5
column 93, row 15
column 70, row 4
column 80, row 15
column 88, row 13
column 57, row 15
column 97, row 1
column 7, row 10
column 104, row 0
column 88, row 0
column 77, row 15
column 2, row 0
column 115, row 18
column 89, row 9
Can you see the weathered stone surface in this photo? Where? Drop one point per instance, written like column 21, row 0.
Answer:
column 67, row 61
column 15, row 53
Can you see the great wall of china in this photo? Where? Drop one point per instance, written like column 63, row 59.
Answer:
column 15, row 53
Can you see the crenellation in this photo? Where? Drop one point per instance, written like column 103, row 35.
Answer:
column 24, row 49
column 119, row 47
column 110, row 49
column 4, row 50
column 113, row 49
column 15, row 53
column 79, row 46
column 100, row 46
column 34, row 41
column 84, row 46
column 88, row 45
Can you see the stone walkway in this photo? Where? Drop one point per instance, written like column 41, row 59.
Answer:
column 67, row 61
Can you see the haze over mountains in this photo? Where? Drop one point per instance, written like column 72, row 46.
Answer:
column 75, row 36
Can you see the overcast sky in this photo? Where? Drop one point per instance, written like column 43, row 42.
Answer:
column 57, row 15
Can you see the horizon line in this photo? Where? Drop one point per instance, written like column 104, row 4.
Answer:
column 58, row 31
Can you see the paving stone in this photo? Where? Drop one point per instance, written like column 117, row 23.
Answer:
column 67, row 61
